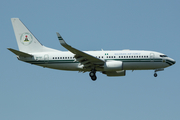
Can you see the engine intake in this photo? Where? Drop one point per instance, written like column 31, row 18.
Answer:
column 113, row 66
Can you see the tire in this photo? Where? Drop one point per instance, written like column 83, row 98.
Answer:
column 91, row 74
column 94, row 78
column 155, row 74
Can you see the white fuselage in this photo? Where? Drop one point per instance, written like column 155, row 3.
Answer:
column 132, row 60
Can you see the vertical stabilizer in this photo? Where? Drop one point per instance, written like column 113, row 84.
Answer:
column 26, row 41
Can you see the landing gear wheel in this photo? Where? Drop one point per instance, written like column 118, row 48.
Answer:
column 94, row 78
column 155, row 74
column 91, row 74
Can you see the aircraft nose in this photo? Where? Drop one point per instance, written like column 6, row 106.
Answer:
column 170, row 61
column 173, row 61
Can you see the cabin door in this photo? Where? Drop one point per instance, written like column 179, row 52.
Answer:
column 152, row 57
column 46, row 58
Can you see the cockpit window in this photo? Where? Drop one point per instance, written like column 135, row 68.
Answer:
column 163, row 55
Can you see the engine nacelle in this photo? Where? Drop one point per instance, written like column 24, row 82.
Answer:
column 115, row 73
column 113, row 66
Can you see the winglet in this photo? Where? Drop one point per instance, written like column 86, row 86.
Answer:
column 79, row 53
column 61, row 40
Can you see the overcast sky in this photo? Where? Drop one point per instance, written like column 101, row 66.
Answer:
column 29, row 92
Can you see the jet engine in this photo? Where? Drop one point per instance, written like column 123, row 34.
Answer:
column 113, row 66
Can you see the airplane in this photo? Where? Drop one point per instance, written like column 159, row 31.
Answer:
column 111, row 63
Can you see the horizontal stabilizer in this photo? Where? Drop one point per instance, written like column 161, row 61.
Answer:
column 19, row 53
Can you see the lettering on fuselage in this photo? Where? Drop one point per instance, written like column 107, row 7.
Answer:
column 127, row 53
column 39, row 58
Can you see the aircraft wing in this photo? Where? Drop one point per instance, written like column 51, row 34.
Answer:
column 86, row 59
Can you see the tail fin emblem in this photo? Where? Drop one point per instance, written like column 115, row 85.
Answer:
column 26, row 38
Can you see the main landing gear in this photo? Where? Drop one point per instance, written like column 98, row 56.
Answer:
column 92, row 74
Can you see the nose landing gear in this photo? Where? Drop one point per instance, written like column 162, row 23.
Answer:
column 155, row 74
column 160, row 69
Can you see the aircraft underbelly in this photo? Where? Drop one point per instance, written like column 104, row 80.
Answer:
column 126, row 66
column 142, row 65
column 63, row 66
